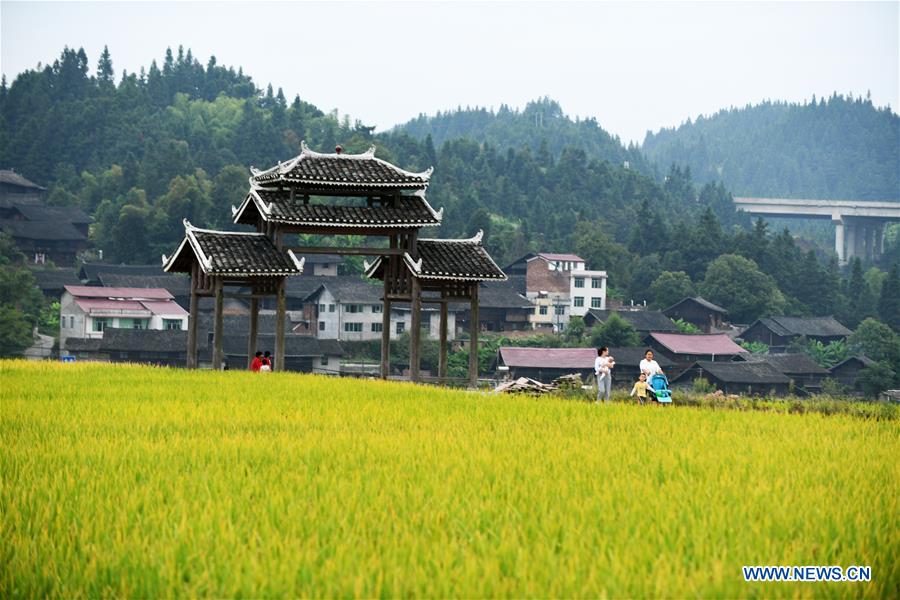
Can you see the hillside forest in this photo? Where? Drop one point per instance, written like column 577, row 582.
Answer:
column 141, row 151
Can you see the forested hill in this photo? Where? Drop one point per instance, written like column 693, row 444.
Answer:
column 541, row 126
column 839, row 148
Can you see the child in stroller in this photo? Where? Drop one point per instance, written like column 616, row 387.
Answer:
column 659, row 389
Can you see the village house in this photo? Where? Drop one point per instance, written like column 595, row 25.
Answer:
column 323, row 265
column 685, row 349
column 697, row 311
column 587, row 291
column 846, row 371
column 347, row 308
column 737, row 377
column 778, row 332
column 643, row 321
column 802, row 370
column 85, row 311
column 502, row 307
column 15, row 189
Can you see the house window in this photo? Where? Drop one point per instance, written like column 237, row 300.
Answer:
column 596, row 283
column 579, row 300
column 353, row 327
column 596, row 302
column 323, row 361
column 560, row 310
column 542, row 310
column 377, row 327
column 172, row 324
column 321, row 308
column 401, row 327
column 355, row 308
column 321, row 325
column 579, row 282
column 100, row 324
column 376, row 308
column 331, row 308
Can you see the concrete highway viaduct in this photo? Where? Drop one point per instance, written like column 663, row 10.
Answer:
column 858, row 224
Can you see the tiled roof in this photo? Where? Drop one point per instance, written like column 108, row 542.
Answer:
column 341, row 171
column 736, row 372
column 294, row 345
column 41, row 212
column 865, row 361
column 13, row 178
column 92, row 271
column 178, row 285
column 89, row 291
column 808, row 326
column 231, row 253
column 41, row 230
column 54, row 279
column 641, row 320
column 714, row 343
column 504, row 294
column 702, row 302
column 277, row 206
column 348, row 289
column 795, row 363
column 74, row 344
column 143, row 340
column 448, row 259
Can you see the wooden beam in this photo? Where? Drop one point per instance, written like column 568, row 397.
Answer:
column 416, row 331
column 442, row 356
column 473, row 339
column 360, row 251
column 192, row 322
column 386, row 333
column 218, row 354
column 279, row 326
column 254, row 327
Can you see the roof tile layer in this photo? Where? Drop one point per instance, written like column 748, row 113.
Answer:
column 716, row 343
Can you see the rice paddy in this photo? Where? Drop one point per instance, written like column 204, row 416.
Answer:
column 135, row 481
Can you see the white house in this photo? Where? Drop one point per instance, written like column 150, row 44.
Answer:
column 587, row 290
column 86, row 311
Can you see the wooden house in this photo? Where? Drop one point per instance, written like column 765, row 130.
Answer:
column 778, row 332
column 697, row 311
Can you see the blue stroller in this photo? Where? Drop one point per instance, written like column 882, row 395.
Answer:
column 659, row 389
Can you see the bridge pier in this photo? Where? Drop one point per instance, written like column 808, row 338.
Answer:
column 839, row 240
column 851, row 241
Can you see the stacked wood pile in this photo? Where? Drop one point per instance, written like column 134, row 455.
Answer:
column 525, row 385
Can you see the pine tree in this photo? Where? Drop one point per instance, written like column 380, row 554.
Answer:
column 105, row 69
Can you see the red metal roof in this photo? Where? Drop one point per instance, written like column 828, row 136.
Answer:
column 89, row 304
column 165, row 308
column 559, row 358
column 562, row 257
column 86, row 291
column 713, row 343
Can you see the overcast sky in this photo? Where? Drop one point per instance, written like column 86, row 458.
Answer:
column 632, row 66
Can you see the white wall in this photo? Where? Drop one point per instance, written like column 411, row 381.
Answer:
column 588, row 293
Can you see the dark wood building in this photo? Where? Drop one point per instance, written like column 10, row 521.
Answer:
column 684, row 349
column 802, row 370
column 502, row 307
column 778, row 332
column 45, row 241
column 15, row 188
column 847, row 371
column 699, row 312
column 737, row 377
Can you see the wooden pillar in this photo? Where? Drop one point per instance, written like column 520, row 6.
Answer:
column 386, row 326
column 279, row 326
column 416, row 327
column 218, row 353
column 473, row 338
column 192, row 323
column 442, row 355
column 254, row 328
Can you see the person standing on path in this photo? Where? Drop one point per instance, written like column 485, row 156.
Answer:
column 603, row 372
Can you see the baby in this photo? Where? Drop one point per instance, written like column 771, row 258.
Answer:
column 604, row 371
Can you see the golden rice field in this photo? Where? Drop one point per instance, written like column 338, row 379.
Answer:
column 142, row 482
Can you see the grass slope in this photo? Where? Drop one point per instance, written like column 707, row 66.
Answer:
column 134, row 481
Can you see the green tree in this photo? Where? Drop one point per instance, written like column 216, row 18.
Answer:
column 889, row 303
column 875, row 340
column 737, row 284
column 671, row 287
column 615, row 332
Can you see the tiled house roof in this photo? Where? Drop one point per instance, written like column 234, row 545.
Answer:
column 808, row 326
column 231, row 253
column 713, row 344
column 341, row 171
column 641, row 320
column 277, row 206
column 41, row 230
column 448, row 259
column 736, row 372
column 13, row 178
column 702, row 302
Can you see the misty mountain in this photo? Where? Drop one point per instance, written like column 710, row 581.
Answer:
column 839, row 148
column 542, row 127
